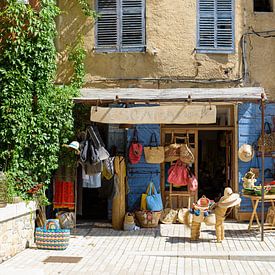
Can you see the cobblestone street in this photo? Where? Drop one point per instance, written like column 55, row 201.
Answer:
column 165, row 250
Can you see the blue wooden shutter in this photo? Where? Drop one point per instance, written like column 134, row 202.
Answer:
column 107, row 25
column 224, row 24
column 206, row 36
column 133, row 25
column 215, row 26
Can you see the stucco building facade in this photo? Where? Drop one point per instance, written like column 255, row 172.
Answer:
column 180, row 44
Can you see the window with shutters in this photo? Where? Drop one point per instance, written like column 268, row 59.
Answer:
column 215, row 26
column 120, row 26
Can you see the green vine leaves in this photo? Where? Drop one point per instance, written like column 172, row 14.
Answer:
column 36, row 117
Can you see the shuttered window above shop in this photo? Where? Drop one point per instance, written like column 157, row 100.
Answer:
column 215, row 26
column 120, row 26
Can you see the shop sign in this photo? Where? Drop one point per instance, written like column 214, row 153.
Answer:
column 187, row 114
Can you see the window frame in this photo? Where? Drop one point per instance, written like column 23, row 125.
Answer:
column 119, row 47
column 217, row 50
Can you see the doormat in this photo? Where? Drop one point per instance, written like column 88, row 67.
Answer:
column 62, row 259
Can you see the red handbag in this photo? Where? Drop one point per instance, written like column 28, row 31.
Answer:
column 178, row 174
column 135, row 149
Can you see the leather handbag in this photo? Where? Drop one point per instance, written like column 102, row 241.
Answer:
column 172, row 151
column 154, row 153
column 153, row 199
column 178, row 174
column 269, row 139
column 135, row 150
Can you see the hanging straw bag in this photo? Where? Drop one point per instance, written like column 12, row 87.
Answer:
column 154, row 154
column 172, row 151
column 186, row 155
column 269, row 139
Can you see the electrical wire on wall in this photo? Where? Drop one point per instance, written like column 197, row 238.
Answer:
column 261, row 34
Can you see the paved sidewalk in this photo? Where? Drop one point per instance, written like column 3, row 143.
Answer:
column 165, row 250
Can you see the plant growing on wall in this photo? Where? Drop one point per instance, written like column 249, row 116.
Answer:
column 36, row 117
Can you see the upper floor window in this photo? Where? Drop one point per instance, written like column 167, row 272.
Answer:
column 263, row 6
column 120, row 26
column 215, row 26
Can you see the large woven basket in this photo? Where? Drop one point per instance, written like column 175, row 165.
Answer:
column 148, row 218
column 57, row 239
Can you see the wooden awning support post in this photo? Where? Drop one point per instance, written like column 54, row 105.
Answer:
column 262, row 154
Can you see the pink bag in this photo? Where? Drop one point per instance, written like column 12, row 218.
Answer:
column 178, row 174
column 192, row 181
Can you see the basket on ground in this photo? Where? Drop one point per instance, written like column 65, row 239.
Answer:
column 57, row 239
column 148, row 218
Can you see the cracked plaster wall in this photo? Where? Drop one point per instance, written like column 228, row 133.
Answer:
column 170, row 31
column 261, row 51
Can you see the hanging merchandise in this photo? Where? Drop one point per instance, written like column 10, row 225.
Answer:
column 89, row 158
column 91, row 181
column 153, row 199
column 269, row 139
column 186, row 155
column 63, row 194
column 98, row 143
column 154, row 153
column 192, row 181
column 172, row 151
column 135, row 150
column 178, row 174
column 246, row 153
column 108, row 168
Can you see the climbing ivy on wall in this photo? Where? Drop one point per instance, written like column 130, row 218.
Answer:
column 36, row 117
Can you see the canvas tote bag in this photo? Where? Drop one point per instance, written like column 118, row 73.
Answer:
column 154, row 153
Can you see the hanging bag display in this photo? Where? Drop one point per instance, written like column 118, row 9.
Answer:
column 153, row 199
column 186, row 155
column 269, row 139
column 178, row 174
column 192, row 181
column 98, row 143
column 135, row 150
column 172, row 151
column 154, row 153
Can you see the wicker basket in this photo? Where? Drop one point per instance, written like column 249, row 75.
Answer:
column 57, row 239
column 148, row 218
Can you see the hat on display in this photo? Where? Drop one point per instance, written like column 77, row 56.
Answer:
column 73, row 145
column 229, row 199
column 246, row 153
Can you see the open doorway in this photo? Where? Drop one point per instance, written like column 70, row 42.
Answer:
column 93, row 189
column 214, row 162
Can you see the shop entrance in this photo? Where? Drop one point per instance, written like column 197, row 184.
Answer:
column 214, row 162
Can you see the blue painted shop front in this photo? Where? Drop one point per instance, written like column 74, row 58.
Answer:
column 249, row 130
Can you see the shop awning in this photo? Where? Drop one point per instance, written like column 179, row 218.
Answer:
column 97, row 96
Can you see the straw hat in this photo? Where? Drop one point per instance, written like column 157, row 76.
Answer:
column 229, row 199
column 73, row 145
column 246, row 153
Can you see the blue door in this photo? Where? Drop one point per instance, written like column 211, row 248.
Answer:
column 140, row 174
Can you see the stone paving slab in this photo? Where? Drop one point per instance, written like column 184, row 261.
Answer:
column 163, row 250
